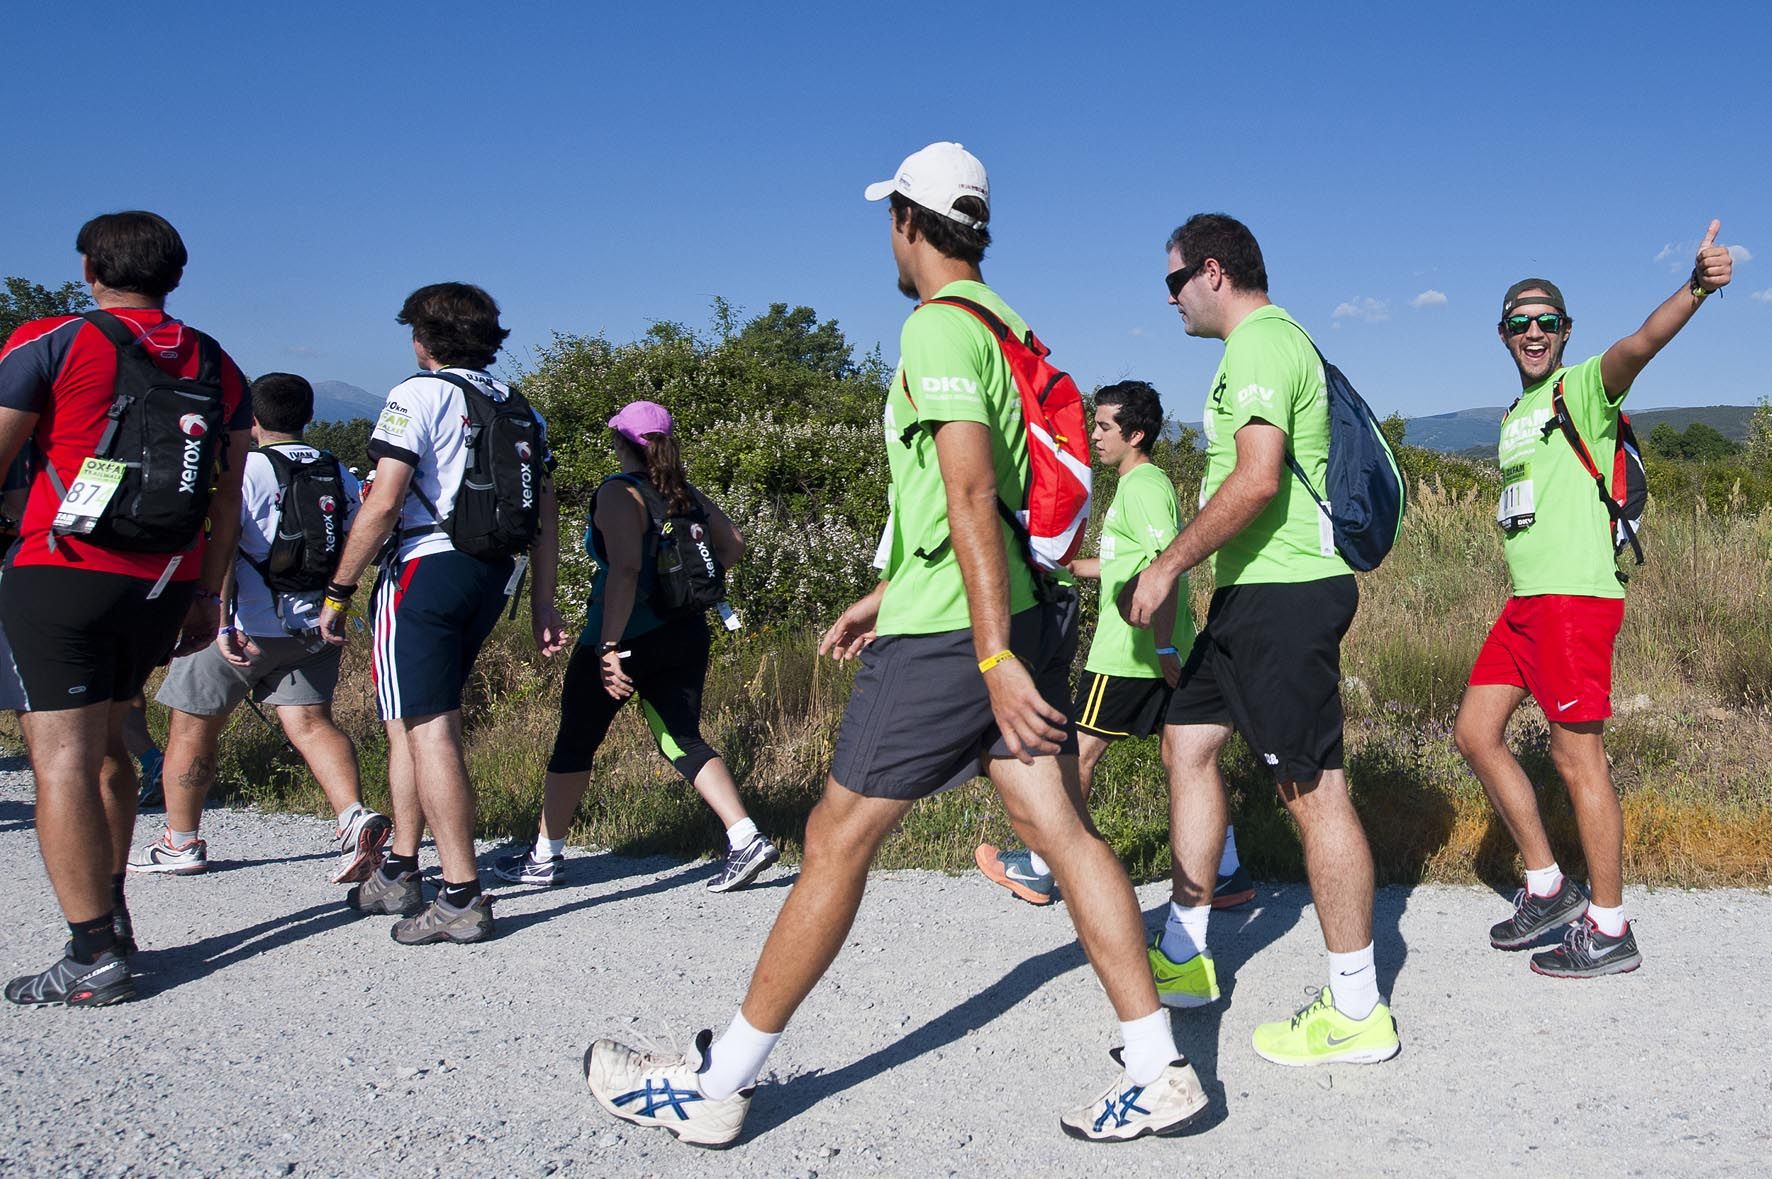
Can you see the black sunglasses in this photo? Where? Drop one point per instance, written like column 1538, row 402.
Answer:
column 1176, row 279
column 1550, row 323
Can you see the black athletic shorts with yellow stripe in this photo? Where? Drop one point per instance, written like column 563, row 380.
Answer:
column 1115, row 706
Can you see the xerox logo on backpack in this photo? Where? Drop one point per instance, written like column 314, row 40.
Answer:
column 192, row 425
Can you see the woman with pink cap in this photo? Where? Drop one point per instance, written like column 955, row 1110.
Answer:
column 631, row 647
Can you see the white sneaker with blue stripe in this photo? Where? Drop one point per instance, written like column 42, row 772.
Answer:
column 1168, row 1105
column 653, row 1089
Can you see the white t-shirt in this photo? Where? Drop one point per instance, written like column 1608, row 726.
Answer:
column 425, row 424
column 255, row 611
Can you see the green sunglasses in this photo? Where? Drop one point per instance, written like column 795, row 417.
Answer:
column 1550, row 323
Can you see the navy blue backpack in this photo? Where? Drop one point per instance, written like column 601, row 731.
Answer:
column 1367, row 495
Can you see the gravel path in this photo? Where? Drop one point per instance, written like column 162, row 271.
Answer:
column 276, row 1033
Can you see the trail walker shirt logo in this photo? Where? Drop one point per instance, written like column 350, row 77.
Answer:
column 1520, row 435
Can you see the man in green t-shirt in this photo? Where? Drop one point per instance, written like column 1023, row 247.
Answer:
column 1128, row 677
column 962, row 671
column 1268, row 661
column 1555, row 636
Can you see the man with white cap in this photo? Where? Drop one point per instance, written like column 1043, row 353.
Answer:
column 962, row 673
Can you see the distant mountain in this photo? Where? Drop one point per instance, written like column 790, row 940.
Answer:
column 336, row 401
column 1480, row 429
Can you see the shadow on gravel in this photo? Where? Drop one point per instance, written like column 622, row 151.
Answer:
column 17, row 816
column 232, row 865
column 160, row 969
column 508, row 925
column 782, row 1102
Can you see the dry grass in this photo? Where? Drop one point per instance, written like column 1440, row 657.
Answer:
column 1689, row 747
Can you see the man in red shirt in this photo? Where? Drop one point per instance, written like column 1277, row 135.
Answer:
column 89, row 616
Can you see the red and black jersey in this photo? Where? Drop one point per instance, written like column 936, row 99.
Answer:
column 65, row 370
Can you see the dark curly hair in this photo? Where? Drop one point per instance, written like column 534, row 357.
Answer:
column 1216, row 235
column 457, row 322
column 136, row 251
column 949, row 237
column 1138, row 408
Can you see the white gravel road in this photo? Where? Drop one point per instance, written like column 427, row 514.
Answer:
column 277, row 1033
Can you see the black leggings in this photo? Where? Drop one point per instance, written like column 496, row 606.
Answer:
column 668, row 667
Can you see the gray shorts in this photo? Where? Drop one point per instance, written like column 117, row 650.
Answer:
column 919, row 720
column 285, row 672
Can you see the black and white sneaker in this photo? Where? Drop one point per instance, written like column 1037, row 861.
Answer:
column 744, row 864
column 1534, row 916
column 1588, row 953
column 523, row 868
column 78, row 984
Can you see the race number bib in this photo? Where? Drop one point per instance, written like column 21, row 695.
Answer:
column 1516, row 509
column 87, row 496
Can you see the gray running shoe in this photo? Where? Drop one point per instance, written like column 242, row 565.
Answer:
column 1533, row 916
column 1588, row 953
column 78, row 984
column 162, row 856
column 444, row 922
column 379, row 896
column 523, row 868
column 743, row 864
column 360, row 846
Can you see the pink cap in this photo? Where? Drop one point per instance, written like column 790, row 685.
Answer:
column 635, row 420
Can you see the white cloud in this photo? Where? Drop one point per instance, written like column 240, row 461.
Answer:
column 1365, row 309
column 1679, row 255
column 1429, row 298
column 1741, row 254
column 1137, row 331
column 1764, row 296
column 1668, row 251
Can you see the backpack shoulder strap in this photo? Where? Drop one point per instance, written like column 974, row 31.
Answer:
column 114, row 329
column 1563, row 421
column 984, row 314
column 655, row 504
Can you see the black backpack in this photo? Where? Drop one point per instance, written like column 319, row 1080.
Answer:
column 688, row 576
column 310, row 532
column 1628, row 494
column 497, row 510
column 166, row 432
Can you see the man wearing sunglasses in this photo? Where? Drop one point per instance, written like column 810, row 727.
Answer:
column 1555, row 636
column 1268, row 661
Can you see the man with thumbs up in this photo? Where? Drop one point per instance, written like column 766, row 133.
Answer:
column 1562, row 531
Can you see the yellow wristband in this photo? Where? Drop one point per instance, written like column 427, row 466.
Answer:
column 986, row 664
column 339, row 604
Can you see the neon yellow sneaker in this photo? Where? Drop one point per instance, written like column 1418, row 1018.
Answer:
column 1193, row 983
column 1319, row 1034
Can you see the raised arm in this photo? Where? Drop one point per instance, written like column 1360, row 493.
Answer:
column 1622, row 363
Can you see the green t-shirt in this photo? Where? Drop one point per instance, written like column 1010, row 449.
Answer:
column 1567, row 546
column 1271, row 373
column 950, row 370
column 1140, row 523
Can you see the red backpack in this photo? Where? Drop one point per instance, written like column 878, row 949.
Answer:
column 1054, row 512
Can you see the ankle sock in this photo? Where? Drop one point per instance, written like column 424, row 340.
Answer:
column 1544, row 882
column 1353, row 982
column 1610, row 921
column 1228, row 862
column 180, row 838
column 91, row 938
column 741, row 833
column 459, row 896
column 546, row 849
column 396, row 866
column 1150, row 1046
column 1184, row 933
column 1036, row 864
column 736, row 1058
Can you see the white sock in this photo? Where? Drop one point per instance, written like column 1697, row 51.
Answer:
column 736, row 1058
column 741, row 833
column 1036, row 864
column 1228, row 862
column 1353, row 982
column 349, row 815
column 1184, row 933
column 1610, row 921
column 546, row 849
column 179, row 838
column 1150, row 1046
column 1544, row 882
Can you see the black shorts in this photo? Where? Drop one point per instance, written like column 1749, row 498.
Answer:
column 1269, row 663
column 83, row 637
column 1115, row 706
column 669, row 667
column 919, row 719
column 431, row 614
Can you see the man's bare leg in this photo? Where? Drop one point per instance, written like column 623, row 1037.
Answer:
column 1579, row 752
column 191, row 745
column 409, row 816
column 440, row 773
column 1337, row 859
column 67, row 749
column 1481, row 735
column 327, row 749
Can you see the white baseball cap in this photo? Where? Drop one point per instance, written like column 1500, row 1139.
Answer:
column 935, row 178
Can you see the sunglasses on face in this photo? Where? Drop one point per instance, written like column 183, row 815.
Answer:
column 1550, row 323
column 1176, row 279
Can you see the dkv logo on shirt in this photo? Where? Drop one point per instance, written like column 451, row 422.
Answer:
column 947, row 388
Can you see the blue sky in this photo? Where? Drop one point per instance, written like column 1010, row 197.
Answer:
column 599, row 167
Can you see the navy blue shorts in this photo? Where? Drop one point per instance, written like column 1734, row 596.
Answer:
column 431, row 614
